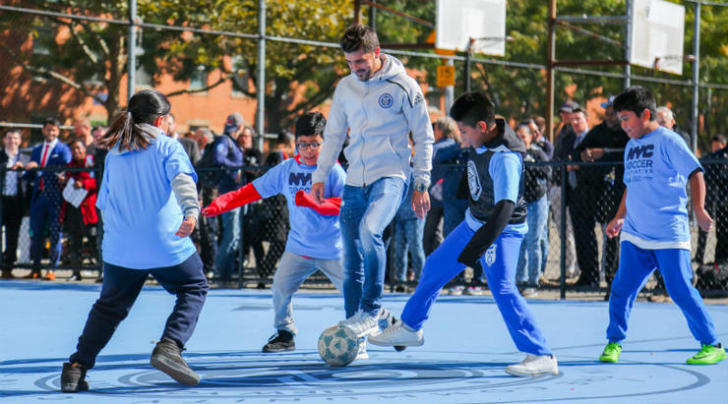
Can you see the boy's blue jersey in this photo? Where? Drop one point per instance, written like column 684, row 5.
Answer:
column 656, row 170
column 312, row 234
column 505, row 169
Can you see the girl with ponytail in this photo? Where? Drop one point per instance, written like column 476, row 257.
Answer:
column 148, row 200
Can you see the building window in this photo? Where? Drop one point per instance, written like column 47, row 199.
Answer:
column 198, row 79
column 143, row 78
column 41, row 40
column 240, row 77
column 434, row 99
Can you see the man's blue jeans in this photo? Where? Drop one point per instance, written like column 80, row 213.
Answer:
column 226, row 253
column 365, row 213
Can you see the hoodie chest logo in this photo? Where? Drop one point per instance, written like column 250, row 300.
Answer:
column 386, row 100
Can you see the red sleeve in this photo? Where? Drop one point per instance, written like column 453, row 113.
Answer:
column 89, row 182
column 232, row 200
column 330, row 207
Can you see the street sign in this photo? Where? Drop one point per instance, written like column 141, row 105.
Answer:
column 445, row 75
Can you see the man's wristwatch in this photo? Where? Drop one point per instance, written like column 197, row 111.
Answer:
column 420, row 187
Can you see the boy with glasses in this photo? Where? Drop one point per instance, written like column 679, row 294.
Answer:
column 314, row 240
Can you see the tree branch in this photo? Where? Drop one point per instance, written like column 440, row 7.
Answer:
column 84, row 46
column 223, row 79
column 50, row 73
column 317, row 98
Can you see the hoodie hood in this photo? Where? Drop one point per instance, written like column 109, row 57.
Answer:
column 146, row 130
column 391, row 67
column 506, row 138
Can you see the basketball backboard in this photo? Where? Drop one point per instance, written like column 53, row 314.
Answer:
column 482, row 20
column 658, row 31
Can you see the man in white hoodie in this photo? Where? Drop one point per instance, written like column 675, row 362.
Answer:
column 379, row 105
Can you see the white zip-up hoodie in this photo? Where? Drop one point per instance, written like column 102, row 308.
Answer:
column 379, row 114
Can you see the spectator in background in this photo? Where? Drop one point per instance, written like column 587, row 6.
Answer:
column 207, row 227
column 99, row 163
column 99, row 152
column 46, row 201
column 718, row 142
column 531, row 257
column 229, row 157
column 564, row 131
column 80, row 221
column 272, row 222
column 253, row 159
column 716, row 200
column 203, row 137
column 563, row 143
column 82, row 131
column 13, row 199
column 601, row 186
column 447, row 137
column 537, row 125
column 189, row 145
column 666, row 118
column 448, row 158
column 581, row 207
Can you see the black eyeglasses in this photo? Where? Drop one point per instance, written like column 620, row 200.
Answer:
column 304, row 146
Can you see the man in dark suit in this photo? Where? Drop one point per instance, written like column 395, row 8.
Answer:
column 46, row 198
column 13, row 202
column 600, row 186
column 578, row 179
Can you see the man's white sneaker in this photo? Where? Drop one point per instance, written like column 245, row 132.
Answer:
column 398, row 335
column 362, row 324
column 534, row 366
column 362, row 354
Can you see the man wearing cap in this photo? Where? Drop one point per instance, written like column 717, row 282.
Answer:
column 562, row 144
column 229, row 156
column 602, row 185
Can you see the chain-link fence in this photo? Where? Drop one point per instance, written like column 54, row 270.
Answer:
column 43, row 228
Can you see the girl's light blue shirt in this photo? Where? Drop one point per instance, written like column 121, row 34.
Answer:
column 140, row 212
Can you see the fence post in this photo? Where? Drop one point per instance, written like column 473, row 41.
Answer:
column 696, row 77
column 131, row 49
column 241, row 243
column 628, row 46
column 564, row 184
column 550, row 56
column 260, row 84
column 3, row 241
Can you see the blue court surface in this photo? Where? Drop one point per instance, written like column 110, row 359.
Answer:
column 465, row 352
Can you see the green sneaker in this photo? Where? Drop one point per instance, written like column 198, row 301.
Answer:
column 611, row 353
column 708, row 355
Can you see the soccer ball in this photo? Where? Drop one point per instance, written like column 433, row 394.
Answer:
column 338, row 345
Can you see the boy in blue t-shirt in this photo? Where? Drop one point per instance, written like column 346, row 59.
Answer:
column 653, row 221
column 314, row 240
column 490, row 236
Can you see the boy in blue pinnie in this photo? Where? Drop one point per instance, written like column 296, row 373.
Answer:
column 490, row 236
column 653, row 220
